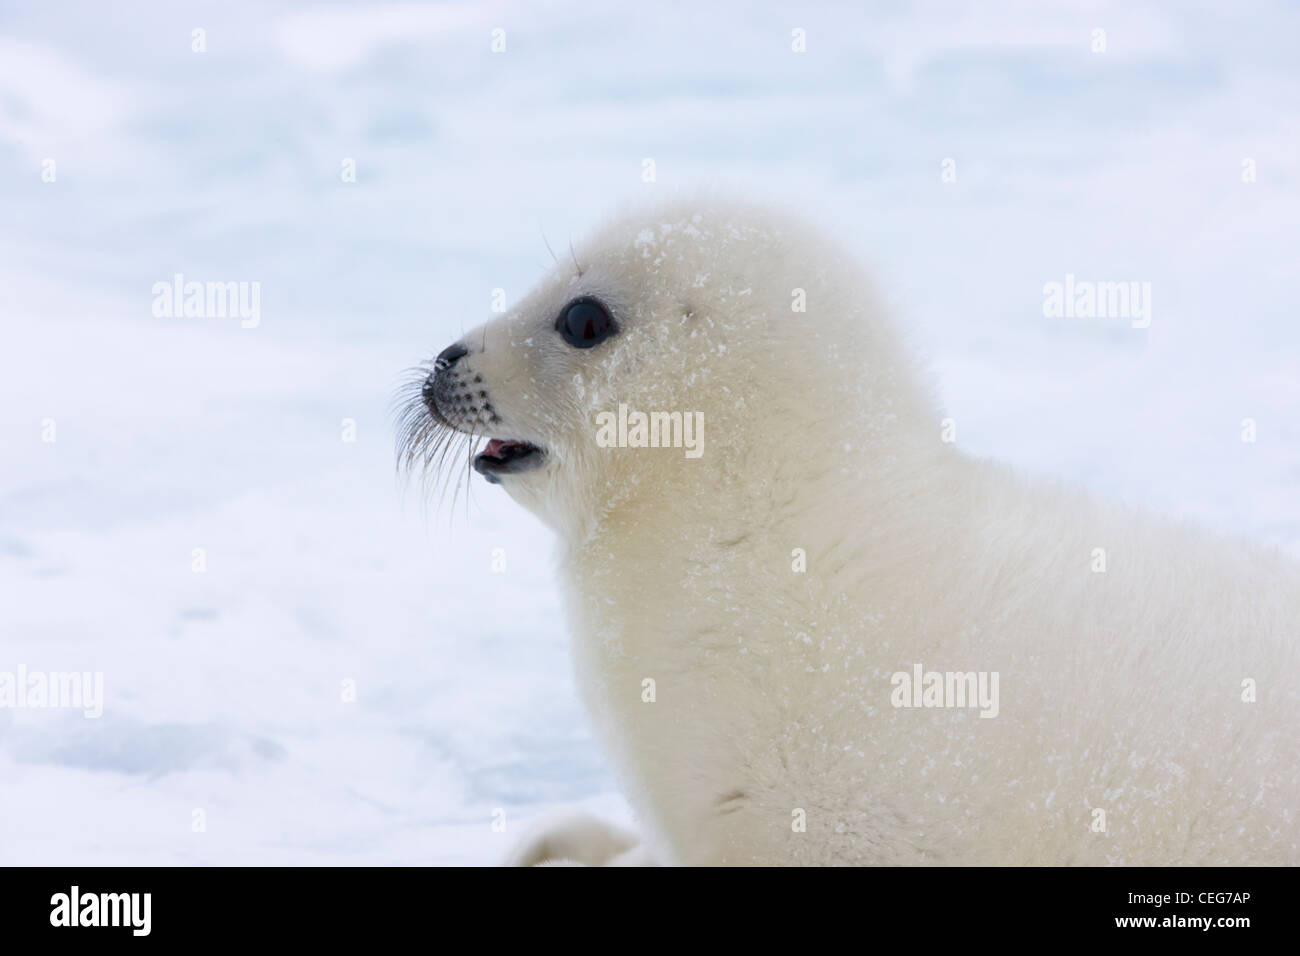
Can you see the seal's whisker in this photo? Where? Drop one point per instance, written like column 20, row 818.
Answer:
column 548, row 246
column 574, row 255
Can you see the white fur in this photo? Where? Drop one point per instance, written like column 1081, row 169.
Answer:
column 1119, row 691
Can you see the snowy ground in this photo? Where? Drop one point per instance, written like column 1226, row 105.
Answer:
column 223, row 688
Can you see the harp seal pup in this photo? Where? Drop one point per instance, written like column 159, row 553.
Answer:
column 757, row 628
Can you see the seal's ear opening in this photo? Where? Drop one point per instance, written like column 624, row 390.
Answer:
column 585, row 322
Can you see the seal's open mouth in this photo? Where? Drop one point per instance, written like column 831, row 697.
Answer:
column 507, row 458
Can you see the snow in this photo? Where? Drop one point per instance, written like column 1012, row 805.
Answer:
column 225, row 689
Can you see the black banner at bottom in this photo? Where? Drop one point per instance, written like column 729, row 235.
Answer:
column 334, row 906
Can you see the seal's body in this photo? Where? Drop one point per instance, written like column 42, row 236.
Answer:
column 749, row 623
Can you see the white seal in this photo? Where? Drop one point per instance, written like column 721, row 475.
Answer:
column 808, row 630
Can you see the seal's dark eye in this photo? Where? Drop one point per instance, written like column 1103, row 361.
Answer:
column 585, row 322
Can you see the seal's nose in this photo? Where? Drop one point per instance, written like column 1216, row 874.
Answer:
column 450, row 356
column 442, row 384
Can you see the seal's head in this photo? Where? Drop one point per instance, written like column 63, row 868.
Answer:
column 683, row 347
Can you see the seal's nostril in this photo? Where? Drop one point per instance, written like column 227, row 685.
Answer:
column 449, row 356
